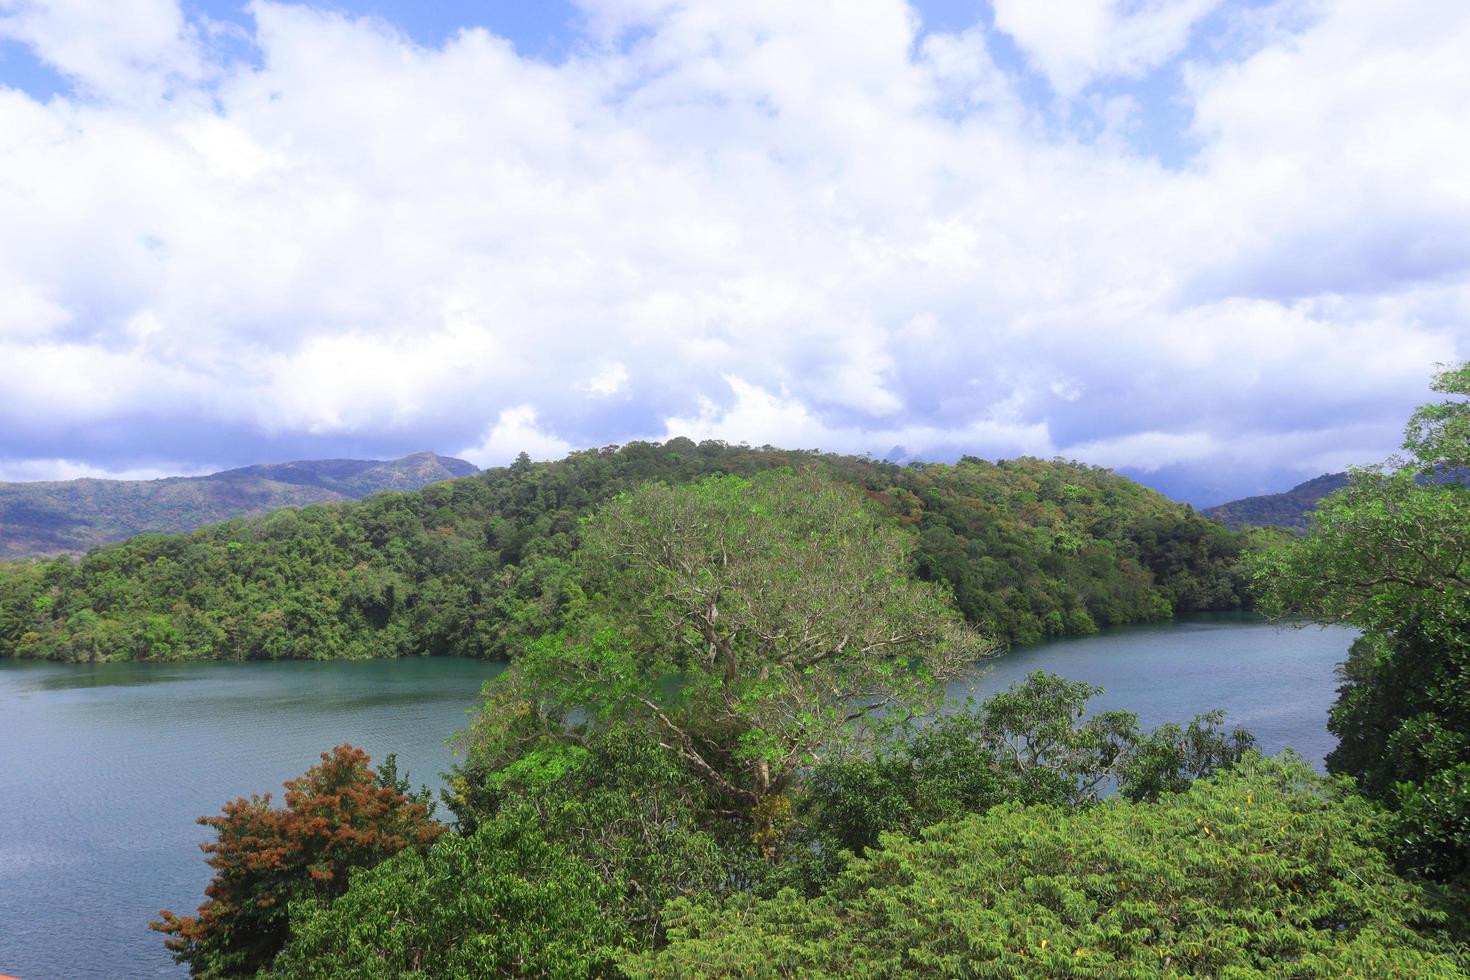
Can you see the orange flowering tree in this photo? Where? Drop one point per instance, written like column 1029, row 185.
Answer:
column 339, row 815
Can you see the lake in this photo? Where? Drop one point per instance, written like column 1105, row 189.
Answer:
column 103, row 768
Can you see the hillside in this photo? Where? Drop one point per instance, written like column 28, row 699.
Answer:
column 1288, row 509
column 1032, row 548
column 45, row 518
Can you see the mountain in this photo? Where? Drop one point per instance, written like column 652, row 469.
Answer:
column 1288, row 509
column 54, row 517
column 479, row 566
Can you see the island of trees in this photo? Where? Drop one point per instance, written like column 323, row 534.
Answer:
column 721, row 752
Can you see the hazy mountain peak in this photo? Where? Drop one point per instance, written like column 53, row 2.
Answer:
column 74, row 515
column 1287, row 509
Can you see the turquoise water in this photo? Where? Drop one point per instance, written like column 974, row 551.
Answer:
column 104, row 768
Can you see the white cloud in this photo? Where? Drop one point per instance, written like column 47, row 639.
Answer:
column 516, row 431
column 759, row 417
column 1074, row 42
column 356, row 241
column 1147, row 450
column 609, row 380
column 116, row 49
column 28, row 470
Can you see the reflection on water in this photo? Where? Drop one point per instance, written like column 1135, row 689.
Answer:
column 95, row 675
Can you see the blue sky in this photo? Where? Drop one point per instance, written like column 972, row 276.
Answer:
column 1216, row 244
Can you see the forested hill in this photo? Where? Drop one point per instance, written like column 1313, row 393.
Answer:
column 47, row 518
column 476, row 565
column 1288, row 509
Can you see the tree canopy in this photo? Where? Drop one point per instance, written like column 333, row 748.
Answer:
column 1262, row 870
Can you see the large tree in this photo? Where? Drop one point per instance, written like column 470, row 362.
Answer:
column 1390, row 554
column 753, row 625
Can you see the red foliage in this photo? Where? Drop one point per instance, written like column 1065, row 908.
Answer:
column 339, row 815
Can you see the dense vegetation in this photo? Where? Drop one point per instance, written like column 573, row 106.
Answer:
column 712, row 762
column 481, row 565
column 1391, row 554
column 50, row 517
column 1265, row 870
column 1290, row 509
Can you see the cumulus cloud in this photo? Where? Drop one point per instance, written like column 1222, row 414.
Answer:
column 760, row 417
column 121, row 49
column 1074, row 42
column 806, row 224
column 609, row 380
column 516, row 432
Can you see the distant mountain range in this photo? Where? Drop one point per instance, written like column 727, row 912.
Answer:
column 1288, row 509
column 52, row 517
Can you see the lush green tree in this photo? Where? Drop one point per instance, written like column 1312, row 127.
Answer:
column 502, row 902
column 1033, row 744
column 339, row 815
column 1265, row 869
column 1390, row 554
column 1171, row 757
column 752, row 624
column 1036, row 729
column 1438, row 433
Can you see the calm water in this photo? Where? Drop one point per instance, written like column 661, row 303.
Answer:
column 1277, row 682
column 104, row 768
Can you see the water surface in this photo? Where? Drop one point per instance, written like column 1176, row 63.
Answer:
column 1277, row 681
column 103, row 768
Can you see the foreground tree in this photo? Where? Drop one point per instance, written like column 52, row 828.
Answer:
column 751, row 625
column 1391, row 554
column 502, row 902
column 339, row 815
column 1262, row 870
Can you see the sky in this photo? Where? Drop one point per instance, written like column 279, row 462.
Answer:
column 1218, row 246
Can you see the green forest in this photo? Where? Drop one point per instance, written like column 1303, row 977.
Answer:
column 722, row 750
column 481, row 565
